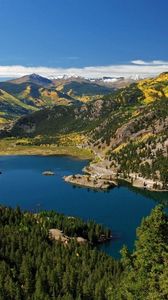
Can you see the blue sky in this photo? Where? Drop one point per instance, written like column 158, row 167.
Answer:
column 82, row 33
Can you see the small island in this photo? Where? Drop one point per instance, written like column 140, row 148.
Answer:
column 48, row 173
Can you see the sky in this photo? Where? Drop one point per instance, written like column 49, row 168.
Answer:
column 83, row 37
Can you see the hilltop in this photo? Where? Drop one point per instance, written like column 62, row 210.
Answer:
column 126, row 130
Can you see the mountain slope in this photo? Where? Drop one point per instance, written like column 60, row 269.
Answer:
column 34, row 94
column 11, row 107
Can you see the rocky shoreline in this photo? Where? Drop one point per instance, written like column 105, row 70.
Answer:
column 91, row 181
column 98, row 176
column 147, row 184
column 134, row 179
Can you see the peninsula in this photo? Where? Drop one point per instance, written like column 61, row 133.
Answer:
column 95, row 182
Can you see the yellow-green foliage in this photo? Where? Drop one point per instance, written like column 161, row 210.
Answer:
column 144, row 137
column 86, row 98
column 165, row 90
column 23, row 141
column 154, row 88
column 121, row 146
column 61, row 87
column 13, row 101
column 13, row 146
column 2, row 121
column 135, row 113
column 2, row 117
column 52, row 97
column 26, row 92
column 72, row 139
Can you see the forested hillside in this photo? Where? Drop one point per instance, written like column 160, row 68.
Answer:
column 145, row 271
column 33, row 266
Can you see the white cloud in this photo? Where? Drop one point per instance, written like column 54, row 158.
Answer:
column 136, row 67
column 149, row 63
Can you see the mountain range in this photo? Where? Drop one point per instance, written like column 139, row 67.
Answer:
column 31, row 93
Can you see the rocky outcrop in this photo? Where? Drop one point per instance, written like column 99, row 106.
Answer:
column 58, row 235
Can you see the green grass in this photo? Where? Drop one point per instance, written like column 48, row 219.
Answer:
column 10, row 146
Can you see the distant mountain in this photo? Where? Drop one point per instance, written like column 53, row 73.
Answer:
column 114, row 82
column 81, row 88
column 30, row 93
column 34, row 79
column 105, row 79
column 34, row 92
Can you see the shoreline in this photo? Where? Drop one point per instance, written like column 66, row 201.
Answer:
column 97, row 172
column 90, row 182
column 141, row 186
column 81, row 156
column 102, row 185
column 138, row 181
column 46, row 154
column 36, row 151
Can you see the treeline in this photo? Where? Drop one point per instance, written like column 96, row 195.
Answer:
column 33, row 267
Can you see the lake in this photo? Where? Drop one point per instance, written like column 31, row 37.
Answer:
column 121, row 208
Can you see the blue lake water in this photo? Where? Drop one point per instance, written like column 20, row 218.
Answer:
column 22, row 183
